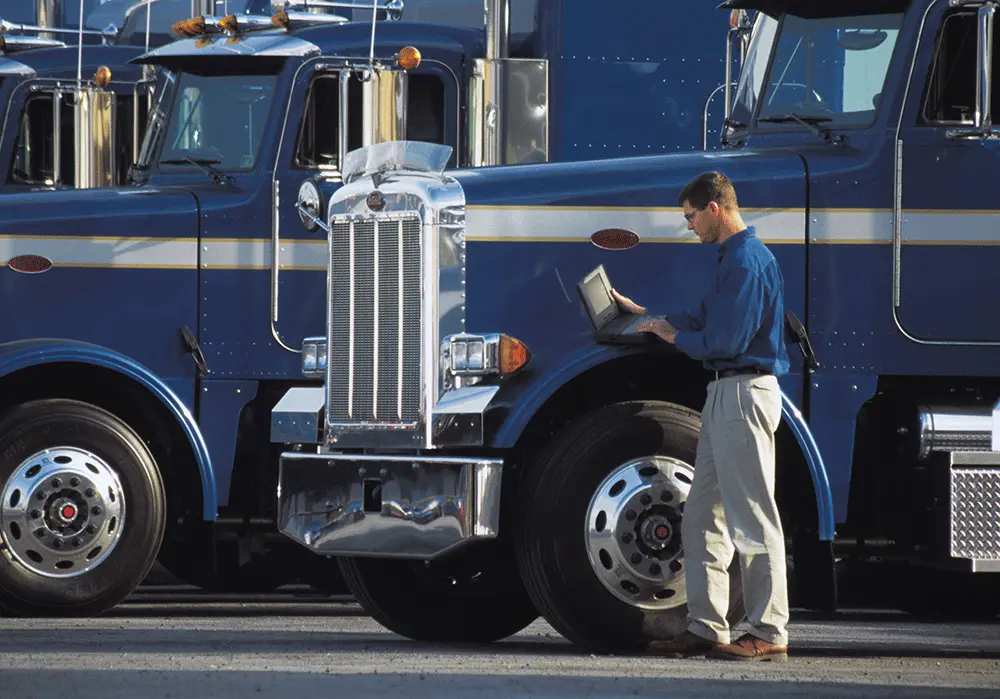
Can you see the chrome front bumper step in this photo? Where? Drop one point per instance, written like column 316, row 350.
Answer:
column 387, row 506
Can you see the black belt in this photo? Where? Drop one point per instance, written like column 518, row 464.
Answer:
column 750, row 370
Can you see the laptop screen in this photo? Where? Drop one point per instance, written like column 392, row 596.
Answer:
column 596, row 292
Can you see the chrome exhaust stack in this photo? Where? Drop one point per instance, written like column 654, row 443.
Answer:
column 503, row 131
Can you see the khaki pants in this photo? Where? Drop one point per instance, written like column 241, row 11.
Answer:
column 731, row 509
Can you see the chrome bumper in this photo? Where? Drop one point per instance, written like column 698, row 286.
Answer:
column 387, row 506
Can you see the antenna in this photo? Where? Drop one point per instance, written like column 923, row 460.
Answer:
column 371, row 53
column 79, row 51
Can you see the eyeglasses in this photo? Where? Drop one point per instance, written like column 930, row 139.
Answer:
column 690, row 217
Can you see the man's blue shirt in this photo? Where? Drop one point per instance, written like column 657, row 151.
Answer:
column 741, row 323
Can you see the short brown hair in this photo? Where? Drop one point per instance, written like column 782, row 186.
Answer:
column 708, row 187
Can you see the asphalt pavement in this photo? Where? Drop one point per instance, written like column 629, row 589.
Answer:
column 180, row 646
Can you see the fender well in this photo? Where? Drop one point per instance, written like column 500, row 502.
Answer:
column 603, row 374
column 48, row 368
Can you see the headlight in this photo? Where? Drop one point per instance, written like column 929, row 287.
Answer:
column 480, row 355
column 314, row 357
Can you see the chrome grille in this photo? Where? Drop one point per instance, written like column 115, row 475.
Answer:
column 374, row 344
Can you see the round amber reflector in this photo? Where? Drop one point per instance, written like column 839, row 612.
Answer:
column 102, row 78
column 409, row 58
column 614, row 239
column 514, row 354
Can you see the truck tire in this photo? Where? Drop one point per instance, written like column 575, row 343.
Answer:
column 82, row 512
column 475, row 596
column 599, row 542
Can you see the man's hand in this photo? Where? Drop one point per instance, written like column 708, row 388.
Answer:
column 658, row 327
column 626, row 304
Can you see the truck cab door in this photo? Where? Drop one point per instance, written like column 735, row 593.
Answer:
column 314, row 144
column 948, row 234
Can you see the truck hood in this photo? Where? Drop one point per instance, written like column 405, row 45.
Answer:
column 121, row 227
column 636, row 193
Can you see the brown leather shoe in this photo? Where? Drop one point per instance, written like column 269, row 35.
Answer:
column 683, row 645
column 749, row 647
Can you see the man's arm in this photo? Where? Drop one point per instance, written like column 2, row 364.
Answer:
column 734, row 320
column 685, row 322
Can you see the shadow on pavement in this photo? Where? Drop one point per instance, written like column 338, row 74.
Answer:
column 179, row 684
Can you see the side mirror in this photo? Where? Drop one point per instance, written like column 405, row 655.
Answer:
column 796, row 333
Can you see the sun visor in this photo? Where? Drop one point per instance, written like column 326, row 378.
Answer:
column 10, row 67
column 814, row 10
column 276, row 44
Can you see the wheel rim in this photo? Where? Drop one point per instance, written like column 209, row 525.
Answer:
column 633, row 536
column 62, row 512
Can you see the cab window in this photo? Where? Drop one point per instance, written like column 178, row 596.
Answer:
column 33, row 149
column 950, row 94
column 319, row 138
column 218, row 120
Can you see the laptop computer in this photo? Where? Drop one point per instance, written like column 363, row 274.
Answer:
column 611, row 325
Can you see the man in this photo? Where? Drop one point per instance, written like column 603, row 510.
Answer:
column 738, row 335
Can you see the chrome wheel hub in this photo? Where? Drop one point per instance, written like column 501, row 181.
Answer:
column 633, row 535
column 62, row 512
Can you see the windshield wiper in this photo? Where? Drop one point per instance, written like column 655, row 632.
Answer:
column 203, row 164
column 810, row 122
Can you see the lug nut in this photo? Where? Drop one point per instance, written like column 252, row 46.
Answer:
column 666, row 496
column 630, row 515
column 637, row 558
column 96, row 510
column 626, row 538
column 57, row 483
column 56, row 544
column 78, row 541
column 675, row 566
column 41, row 495
column 655, row 569
column 40, row 533
column 91, row 529
column 35, row 514
column 74, row 482
column 90, row 492
column 646, row 500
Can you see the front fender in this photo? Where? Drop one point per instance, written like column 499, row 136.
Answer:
column 814, row 461
column 527, row 403
column 524, row 406
column 22, row 354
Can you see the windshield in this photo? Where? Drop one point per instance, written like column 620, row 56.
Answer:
column 215, row 119
column 830, row 69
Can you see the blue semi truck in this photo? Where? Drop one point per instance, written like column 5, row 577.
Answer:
column 151, row 329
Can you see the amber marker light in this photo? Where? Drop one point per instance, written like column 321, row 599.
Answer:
column 734, row 19
column 190, row 27
column 102, row 78
column 229, row 24
column 280, row 19
column 3, row 44
column 514, row 355
column 408, row 58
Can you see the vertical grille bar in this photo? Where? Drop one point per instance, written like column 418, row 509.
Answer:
column 350, row 321
column 399, row 382
column 375, row 307
column 411, row 263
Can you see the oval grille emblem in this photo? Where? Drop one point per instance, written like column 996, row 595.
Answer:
column 30, row 264
column 615, row 239
column 376, row 201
